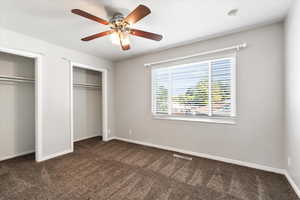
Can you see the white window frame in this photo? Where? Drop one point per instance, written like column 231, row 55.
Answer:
column 209, row 118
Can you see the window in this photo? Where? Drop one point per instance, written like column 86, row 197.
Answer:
column 195, row 90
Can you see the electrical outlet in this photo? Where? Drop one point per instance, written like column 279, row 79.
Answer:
column 289, row 161
column 130, row 132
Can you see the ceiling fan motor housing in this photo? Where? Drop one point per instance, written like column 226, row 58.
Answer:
column 117, row 18
column 118, row 23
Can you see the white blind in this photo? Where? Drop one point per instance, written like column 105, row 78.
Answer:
column 197, row 89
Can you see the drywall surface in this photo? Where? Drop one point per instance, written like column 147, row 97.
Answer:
column 292, row 89
column 87, row 104
column 56, row 107
column 258, row 133
column 17, row 110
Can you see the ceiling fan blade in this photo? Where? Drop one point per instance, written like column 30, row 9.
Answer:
column 144, row 34
column 89, row 16
column 97, row 35
column 139, row 13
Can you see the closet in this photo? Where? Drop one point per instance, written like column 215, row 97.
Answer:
column 87, row 103
column 17, row 105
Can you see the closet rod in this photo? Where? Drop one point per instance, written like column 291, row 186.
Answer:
column 16, row 79
column 87, row 85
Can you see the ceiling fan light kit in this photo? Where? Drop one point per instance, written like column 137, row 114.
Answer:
column 120, row 26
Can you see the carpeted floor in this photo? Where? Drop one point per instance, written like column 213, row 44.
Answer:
column 118, row 170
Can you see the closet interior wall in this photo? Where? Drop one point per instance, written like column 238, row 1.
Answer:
column 17, row 105
column 87, row 103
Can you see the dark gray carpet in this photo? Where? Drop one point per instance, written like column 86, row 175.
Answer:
column 118, row 170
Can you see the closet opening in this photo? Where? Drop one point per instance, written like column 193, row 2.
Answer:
column 19, row 104
column 88, row 102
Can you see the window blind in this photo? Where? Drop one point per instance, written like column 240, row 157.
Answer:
column 193, row 90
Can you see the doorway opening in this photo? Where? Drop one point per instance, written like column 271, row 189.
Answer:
column 88, row 103
column 20, row 104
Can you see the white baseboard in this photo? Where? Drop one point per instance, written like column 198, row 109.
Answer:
column 203, row 155
column 87, row 137
column 17, row 155
column 111, row 138
column 292, row 182
column 54, row 155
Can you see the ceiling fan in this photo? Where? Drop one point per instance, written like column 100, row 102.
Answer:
column 120, row 26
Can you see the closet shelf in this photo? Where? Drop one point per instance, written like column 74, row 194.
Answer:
column 87, row 85
column 16, row 79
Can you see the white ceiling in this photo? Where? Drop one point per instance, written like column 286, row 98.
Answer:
column 178, row 21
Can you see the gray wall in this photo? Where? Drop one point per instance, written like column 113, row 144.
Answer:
column 293, row 92
column 56, row 129
column 257, row 137
column 17, row 110
column 87, row 104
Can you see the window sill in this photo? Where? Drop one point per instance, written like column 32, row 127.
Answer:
column 205, row 120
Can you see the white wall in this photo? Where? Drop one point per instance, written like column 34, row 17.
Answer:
column 292, row 89
column 17, row 109
column 256, row 138
column 56, row 87
column 87, row 104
